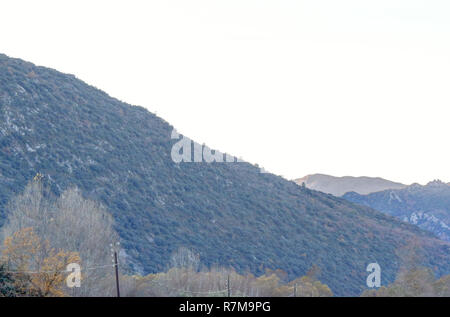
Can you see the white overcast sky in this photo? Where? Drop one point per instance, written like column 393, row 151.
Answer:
column 344, row 87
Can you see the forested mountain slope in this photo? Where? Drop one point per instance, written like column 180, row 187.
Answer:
column 425, row 206
column 230, row 213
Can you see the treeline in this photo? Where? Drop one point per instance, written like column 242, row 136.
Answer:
column 413, row 279
column 416, row 282
column 43, row 234
column 187, row 280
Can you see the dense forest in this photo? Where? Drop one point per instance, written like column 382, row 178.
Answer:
column 230, row 214
column 44, row 234
column 427, row 206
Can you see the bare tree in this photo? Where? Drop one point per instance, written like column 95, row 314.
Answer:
column 185, row 258
column 69, row 222
column 31, row 209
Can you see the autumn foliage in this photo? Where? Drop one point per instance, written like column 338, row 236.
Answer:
column 38, row 269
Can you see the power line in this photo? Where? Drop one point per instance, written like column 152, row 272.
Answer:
column 226, row 291
column 188, row 291
column 58, row 271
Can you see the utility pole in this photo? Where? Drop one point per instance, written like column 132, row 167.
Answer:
column 228, row 286
column 116, row 266
column 295, row 290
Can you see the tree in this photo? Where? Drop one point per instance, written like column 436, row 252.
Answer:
column 442, row 286
column 71, row 223
column 309, row 286
column 40, row 268
column 413, row 279
column 185, row 258
column 414, row 283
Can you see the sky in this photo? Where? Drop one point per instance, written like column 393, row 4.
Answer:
column 349, row 87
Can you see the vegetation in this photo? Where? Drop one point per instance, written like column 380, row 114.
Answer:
column 43, row 234
column 425, row 206
column 230, row 214
column 187, row 281
column 24, row 252
column 41, row 227
column 413, row 279
column 414, row 283
column 8, row 286
column 30, row 264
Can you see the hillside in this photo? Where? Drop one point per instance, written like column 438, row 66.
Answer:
column 233, row 215
column 338, row 186
column 425, row 206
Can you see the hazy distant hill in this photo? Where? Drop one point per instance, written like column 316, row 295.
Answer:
column 230, row 213
column 425, row 206
column 338, row 186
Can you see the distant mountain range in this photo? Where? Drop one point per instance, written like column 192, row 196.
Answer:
column 338, row 186
column 425, row 206
column 230, row 213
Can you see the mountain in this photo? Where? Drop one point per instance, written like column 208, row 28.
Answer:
column 425, row 206
column 338, row 186
column 230, row 213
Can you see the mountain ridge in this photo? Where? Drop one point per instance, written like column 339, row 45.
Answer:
column 229, row 213
column 338, row 186
column 427, row 206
